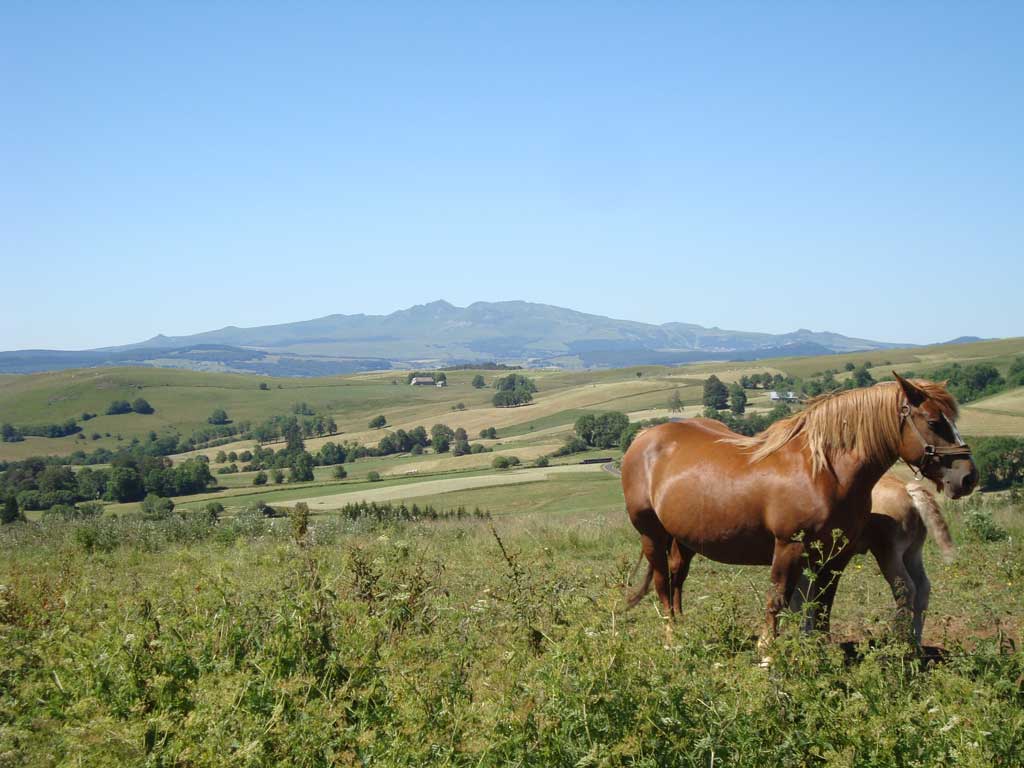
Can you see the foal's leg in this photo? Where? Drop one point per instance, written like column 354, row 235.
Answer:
column 915, row 568
column 679, row 566
column 786, row 567
column 903, row 586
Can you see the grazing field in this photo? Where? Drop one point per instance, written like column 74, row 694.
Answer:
column 499, row 642
column 184, row 399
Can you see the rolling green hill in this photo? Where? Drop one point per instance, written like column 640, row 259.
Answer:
column 184, row 399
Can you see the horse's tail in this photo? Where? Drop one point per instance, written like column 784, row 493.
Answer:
column 638, row 594
column 929, row 511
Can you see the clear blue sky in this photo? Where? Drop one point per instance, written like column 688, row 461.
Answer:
column 854, row 167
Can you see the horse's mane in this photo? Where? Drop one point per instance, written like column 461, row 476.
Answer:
column 866, row 420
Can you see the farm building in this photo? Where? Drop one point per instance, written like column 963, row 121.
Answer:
column 786, row 397
column 422, row 381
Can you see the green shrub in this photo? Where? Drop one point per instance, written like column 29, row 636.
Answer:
column 156, row 507
column 980, row 524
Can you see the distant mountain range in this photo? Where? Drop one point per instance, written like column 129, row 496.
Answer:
column 438, row 334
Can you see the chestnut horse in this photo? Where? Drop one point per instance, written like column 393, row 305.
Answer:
column 802, row 488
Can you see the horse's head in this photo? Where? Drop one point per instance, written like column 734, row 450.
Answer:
column 929, row 440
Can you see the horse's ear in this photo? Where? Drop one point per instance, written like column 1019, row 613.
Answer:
column 915, row 396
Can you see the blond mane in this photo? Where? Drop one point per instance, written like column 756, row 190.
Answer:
column 863, row 420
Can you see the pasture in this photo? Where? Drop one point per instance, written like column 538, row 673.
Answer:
column 184, row 399
column 465, row 641
column 178, row 643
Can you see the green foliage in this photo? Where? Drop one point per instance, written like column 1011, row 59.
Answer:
column 716, row 394
column 260, row 478
column 299, row 517
column 513, row 390
column 542, row 461
column 571, row 445
column 156, row 507
column 968, row 382
column 1000, row 461
column 278, row 476
column 1015, row 376
column 862, row 377
column 602, row 430
column 373, row 476
column 118, row 407
column 478, row 382
column 339, row 472
column 737, row 399
column 264, row 386
column 752, row 424
column 441, row 436
column 378, row 422
column 980, row 524
column 219, row 416
column 505, row 462
column 675, row 402
column 490, row 433
column 141, row 405
column 9, row 512
column 301, row 469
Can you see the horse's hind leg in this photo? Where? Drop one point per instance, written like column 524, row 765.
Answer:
column 923, row 588
column 655, row 542
column 678, row 566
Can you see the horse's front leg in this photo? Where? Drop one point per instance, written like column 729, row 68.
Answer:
column 787, row 562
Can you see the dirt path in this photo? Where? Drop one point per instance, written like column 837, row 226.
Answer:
column 444, row 485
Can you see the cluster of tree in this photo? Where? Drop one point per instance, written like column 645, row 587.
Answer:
column 513, row 390
column 275, row 427
column 634, row 429
column 218, row 417
column 378, row 422
column 478, row 382
column 602, row 430
column 505, row 462
column 139, row 405
column 748, row 425
column 976, row 380
column 716, row 394
column 1000, row 461
column 490, row 433
column 303, row 409
column 444, row 439
column 36, row 484
column 390, row 513
column 401, row 441
column 825, row 381
column 767, row 381
column 12, row 434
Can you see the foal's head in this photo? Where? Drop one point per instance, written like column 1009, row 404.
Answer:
column 929, row 440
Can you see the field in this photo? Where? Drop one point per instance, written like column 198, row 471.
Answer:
column 434, row 643
column 184, row 399
column 467, row 641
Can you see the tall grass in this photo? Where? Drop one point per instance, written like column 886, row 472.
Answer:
column 193, row 643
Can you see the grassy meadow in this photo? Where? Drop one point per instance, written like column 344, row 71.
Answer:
column 472, row 642
column 476, row 643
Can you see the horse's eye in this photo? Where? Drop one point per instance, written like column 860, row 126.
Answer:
column 934, row 423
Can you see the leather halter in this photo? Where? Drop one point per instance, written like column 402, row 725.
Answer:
column 932, row 452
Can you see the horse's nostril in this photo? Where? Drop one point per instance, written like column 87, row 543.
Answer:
column 968, row 483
